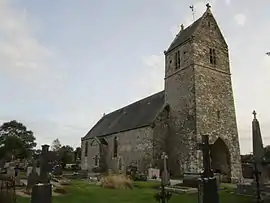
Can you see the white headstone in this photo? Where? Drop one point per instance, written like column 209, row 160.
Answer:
column 10, row 172
column 153, row 172
column 85, row 163
column 38, row 170
column 29, row 170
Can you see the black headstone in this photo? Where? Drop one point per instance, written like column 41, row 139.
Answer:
column 44, row 178
column 41, row 193
column 208, row 183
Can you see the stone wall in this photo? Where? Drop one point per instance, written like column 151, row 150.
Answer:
column 134, row 146
column 180, row 95
column 215, row 110
column 200, row 98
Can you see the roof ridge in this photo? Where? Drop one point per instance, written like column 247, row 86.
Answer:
column 184, row 35
column 140, row 100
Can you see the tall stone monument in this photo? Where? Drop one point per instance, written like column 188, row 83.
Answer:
column 258, row 150
column 44, row 178
column 42, row 192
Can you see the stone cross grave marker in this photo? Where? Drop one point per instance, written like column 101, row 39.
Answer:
column 44, row 178
column 164, row 196
column 205, row 148
column 96, row 160
column 33, row 177
column 42, row 192
column 208, row 190
column 165, row 175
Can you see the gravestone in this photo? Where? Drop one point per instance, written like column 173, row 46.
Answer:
column 41, row 193
column 259, row 187
column 191, row 179
column 32, row 178
column 164, row 196
column 153, row 173
column 44, row 177
column 57, row 170
column 10, row 172
column 165, row 174
column 208, row 189
column 29, row 170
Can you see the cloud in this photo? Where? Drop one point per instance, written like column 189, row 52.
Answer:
column 22, row 55
column 228, row 2
column 240, row 19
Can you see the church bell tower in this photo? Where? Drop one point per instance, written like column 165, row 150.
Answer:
column 199, row 92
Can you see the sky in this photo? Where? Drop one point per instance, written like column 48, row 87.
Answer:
column 65, row 63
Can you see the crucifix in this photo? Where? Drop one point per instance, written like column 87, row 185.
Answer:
column 254, row 113
column 205, row 147
column 193, row 13
column 208, row 6
column 163, row 196
column 165, row 176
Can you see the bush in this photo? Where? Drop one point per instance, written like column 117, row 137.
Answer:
column 139, row 177
column 116, row 182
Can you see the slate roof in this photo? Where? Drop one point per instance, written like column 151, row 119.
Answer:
column 139, row 114
column 184, row 35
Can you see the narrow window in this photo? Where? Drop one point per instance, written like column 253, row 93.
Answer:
column 115, row 147
column 177, row 60
column 212, row 56
column 86, row 149
column 218, row 115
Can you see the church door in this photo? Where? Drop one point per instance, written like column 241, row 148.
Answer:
column 220, row 157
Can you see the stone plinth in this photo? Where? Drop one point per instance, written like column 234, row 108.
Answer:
column 41, row 193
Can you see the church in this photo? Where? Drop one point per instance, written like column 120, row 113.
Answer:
column 197, row 100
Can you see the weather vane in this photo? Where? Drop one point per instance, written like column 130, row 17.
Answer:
column 193, row 13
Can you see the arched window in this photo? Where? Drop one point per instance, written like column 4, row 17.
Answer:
column 86, row 149
column 115, row 147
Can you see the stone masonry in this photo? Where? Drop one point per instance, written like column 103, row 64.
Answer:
column 197, row 99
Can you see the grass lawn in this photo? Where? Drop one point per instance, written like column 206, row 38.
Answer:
column 82, row 192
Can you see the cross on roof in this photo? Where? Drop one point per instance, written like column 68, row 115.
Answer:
column 254, row 113
column 208, row 6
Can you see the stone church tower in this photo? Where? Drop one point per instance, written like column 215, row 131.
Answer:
column 197, row 70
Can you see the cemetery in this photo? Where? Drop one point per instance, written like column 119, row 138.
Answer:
column 42, row 184
column 98, row 171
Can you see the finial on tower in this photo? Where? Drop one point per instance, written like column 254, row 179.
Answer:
column 208, row 6
column 254, row 113
column 182, row 27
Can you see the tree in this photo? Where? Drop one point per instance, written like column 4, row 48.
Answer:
column 16, row 140
column 56, row 145
column 77, row 153
column 66, row 155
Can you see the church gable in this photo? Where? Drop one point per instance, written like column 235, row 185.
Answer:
column 208, row 28
column 139, row 114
